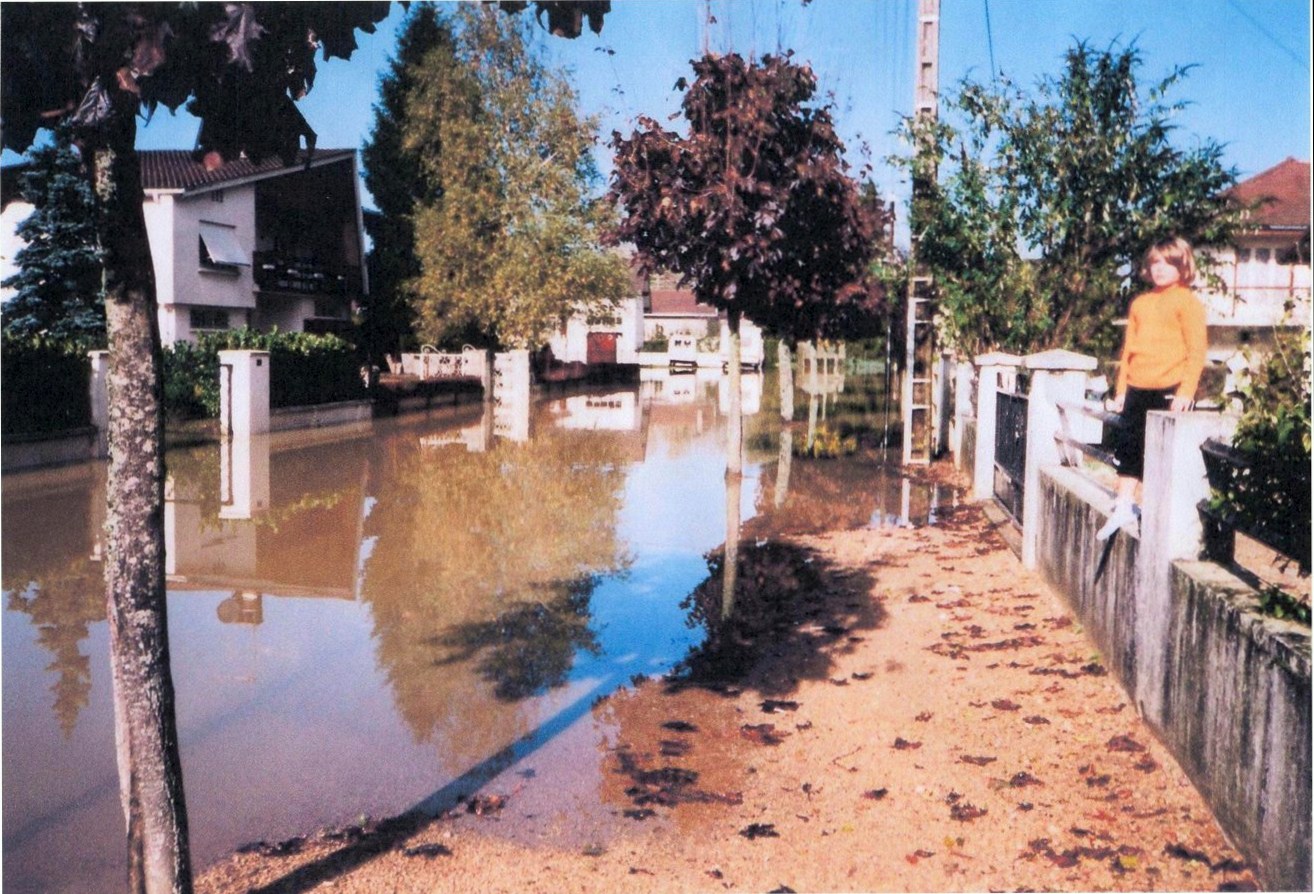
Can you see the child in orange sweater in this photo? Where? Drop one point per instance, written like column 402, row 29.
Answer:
column 1163, row 355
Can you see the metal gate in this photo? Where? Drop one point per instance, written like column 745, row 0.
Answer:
column 1010, row 448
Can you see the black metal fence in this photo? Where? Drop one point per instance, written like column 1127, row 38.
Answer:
column 1010, row 451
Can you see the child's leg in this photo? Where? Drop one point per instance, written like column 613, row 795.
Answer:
column 1124, row 507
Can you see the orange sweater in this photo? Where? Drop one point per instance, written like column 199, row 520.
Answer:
column 1165, row 342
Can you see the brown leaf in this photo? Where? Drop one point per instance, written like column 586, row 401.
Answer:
column 876, row 794
column 1003, row 704
column 966, row 812
column 1125, row 743
column 1036, row 720
column 976, row 761
column 902, row 744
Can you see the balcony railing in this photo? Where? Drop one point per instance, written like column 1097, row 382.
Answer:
column 276, row 273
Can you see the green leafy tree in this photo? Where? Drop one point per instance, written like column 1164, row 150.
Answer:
column 240, row 68
column 1048, row 199
column 752, row 205
column 57, row 286
column 506, row 236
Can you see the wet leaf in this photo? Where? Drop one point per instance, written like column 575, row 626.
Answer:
column 1125, row 744
column 482, row 805
column 1146, row 764
column 1003, row 704
column 771, row 705
column 901, row 744
column 1036, row 720
column 861, row 675
column 923, row 717
column 679, row 726
column 918, row 855
column 976, row 761
column 593, row 850
column 762, row 733
column 428, row 851
column 674, row 748
column 1182, row 852
column 759, row 830
column 783, row 889
column 1099, row 781
column 1022, row 780
column 966, row 812
column 639, row 813
column 876, row 794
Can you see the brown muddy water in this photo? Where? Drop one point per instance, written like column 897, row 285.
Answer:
column 367, row 621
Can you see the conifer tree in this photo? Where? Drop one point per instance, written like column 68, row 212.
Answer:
column 58, row 290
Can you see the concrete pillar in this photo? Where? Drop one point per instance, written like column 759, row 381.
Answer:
column 476, row 362
column 962, row 409
column 99, row 387
column 992, row 369
column 243, row 393
column 1055, row 376
column 1174, row 482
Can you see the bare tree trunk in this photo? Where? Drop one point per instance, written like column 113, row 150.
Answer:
column 734, row 445
column 730, row 570
column 150, row 772
column 785, row 362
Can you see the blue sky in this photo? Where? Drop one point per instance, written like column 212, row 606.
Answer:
column 1249, row 89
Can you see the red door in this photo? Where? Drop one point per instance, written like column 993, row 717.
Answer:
column 602, row 347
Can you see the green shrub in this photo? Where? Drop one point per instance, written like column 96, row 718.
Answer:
column 656, row 343
column 44, row 386
column 1270, row 496
column 304, row 369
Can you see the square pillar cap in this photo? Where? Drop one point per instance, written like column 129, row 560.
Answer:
column 1058, row 359
column 998, row 358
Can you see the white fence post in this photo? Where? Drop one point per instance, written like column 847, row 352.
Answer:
column 99, row 387
column 1056, row 376
column 243, row 393
column 1174, row 483
column 992, row 368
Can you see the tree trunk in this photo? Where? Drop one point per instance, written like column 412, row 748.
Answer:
column 734, row 441
column 785, row 361
column 730, row 570
column 150, row 772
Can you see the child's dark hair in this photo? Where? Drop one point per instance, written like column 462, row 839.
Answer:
column 1176, row 251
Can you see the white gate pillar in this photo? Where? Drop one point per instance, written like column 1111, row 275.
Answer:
column 99, row 386
column 996, row 371
column 243, row 393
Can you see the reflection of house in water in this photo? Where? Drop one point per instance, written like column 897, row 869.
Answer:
column 613, row 411
column 302, row 540
column 750, row 393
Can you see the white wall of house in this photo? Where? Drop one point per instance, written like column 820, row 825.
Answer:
column 626, row 320
column 1258, row 287
column 10, row 243
column 655, row 325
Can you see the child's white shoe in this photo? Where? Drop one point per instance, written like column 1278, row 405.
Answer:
column 1122, row 513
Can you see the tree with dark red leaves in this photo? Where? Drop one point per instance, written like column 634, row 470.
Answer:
column 753, row 206
column 240, row 68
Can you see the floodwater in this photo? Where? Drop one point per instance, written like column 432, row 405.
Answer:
column 368, row 620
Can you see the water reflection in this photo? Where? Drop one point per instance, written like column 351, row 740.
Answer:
column 416, row 605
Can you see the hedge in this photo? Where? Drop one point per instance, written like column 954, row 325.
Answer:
column 304, row 369
column 44, row 386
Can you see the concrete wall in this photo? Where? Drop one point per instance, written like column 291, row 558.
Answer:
column 1232, row 688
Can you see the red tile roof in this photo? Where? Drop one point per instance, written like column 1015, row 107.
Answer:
column 1284, row 191
column 171, row 169
column 678, row 303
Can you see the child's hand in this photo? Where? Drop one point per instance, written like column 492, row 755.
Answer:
column 1115, row 403
column 1181, row 404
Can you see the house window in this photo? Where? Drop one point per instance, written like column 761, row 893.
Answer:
column 1262, row 255
column 1243, row 256
column 217, row 196
column 208, row 318
column 219, row 249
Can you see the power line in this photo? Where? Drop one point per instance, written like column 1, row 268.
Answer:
column 1299, row 60
column 990, row 42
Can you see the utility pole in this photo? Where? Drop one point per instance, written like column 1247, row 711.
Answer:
column 919, row 361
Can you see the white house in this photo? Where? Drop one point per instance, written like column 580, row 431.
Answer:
column 247, row 245
column 1265, row 275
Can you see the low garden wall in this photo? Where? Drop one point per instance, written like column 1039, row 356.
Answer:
column 33, row 451
column 1230, row 687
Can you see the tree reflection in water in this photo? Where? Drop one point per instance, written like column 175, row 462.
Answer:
column 491, row 556
column 49, row 575
column 529, row 647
